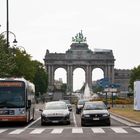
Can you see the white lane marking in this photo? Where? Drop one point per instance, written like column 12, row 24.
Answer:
column 57, row 131
column 97, row 130
column 17, row 131
column 118, row 130
column 137, row 129
column 3, row 130
column 32, row 123
column 74, row 119
column 37, row 131
column 77, row 130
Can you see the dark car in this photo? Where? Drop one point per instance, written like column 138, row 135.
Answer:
column 80, row 105
column 55, row 112
column 95, row 113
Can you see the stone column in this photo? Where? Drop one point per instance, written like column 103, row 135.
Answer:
column 112, row 74
column 105, row 72
column 88, row 76
column 50, row 77
column 69, row 78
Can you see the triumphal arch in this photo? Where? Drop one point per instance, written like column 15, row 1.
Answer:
column 79, row 56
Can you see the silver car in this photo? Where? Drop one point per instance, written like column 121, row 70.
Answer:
column 95, row 113
column 68, row 104
column 55, row 112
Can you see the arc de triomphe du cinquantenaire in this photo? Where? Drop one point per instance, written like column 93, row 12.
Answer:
column 79, row 56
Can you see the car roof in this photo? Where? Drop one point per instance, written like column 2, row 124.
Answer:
column 66, row 101
column 83, row 100
column 94, row 102
column 56, row 102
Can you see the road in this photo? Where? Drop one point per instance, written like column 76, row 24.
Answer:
column 74, row 131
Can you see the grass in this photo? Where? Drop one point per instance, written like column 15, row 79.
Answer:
column 129, row 113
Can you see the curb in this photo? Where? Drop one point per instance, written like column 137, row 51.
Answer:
column 126, row 119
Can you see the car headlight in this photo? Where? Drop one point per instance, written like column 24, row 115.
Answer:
column 106, row 114
column 44, row 115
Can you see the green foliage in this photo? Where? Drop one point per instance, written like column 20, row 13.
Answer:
column 17, row 63
column 135, row 75
column 24, row 65
column 40, row 78
column 97, row 89
column 7, row 62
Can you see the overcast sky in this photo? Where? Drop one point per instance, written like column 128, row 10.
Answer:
column 51, row 24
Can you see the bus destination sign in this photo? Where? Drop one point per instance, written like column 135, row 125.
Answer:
column 11, row 84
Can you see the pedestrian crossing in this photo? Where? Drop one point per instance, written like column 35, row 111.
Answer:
column 73, row 130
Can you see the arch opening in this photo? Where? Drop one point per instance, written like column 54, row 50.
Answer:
column 78, row 79
column 59, row 77
column 97, row 75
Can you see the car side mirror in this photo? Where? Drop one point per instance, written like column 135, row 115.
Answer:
column 108, row 107
column 41, row 110
column 70, row 109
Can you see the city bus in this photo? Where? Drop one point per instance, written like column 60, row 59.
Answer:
column 17, row 100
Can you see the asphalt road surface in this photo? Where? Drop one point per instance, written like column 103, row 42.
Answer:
column 118, row 130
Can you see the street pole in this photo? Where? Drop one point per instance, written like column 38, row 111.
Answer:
column 7, row 7
column 106, row 98
column 112, row 99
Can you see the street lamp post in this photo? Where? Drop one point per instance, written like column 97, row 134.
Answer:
column 106, row 90
column 111, row 90
column 7, row 8
column 7, row 22
column 7, row 25
column 14, row 41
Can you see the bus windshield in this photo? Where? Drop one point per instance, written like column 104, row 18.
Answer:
column 12, row 96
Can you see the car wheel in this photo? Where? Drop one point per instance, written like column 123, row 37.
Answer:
column 108, row 123
column 42, row 122
column 77, row 112
column 82, row 123
column 68, row 122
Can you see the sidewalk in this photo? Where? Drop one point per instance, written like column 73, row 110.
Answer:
column 126, row 113
column 125, row 120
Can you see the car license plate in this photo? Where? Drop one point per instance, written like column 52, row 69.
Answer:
column 55, row 121
column 95, row 118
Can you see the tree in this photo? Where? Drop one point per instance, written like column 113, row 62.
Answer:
column 7, row 62
column 17, row 63
column 40, row 78
column 135, row 75
column 24, row 65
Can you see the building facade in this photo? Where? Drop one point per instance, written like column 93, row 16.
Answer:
column 122, row 77
column 79, row 56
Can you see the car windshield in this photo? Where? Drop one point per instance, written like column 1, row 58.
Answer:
column 95, row 106
column 66, row 101
column 55, row 106
column 82, row 102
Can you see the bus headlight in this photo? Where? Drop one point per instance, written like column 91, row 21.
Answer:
column 22, row 111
